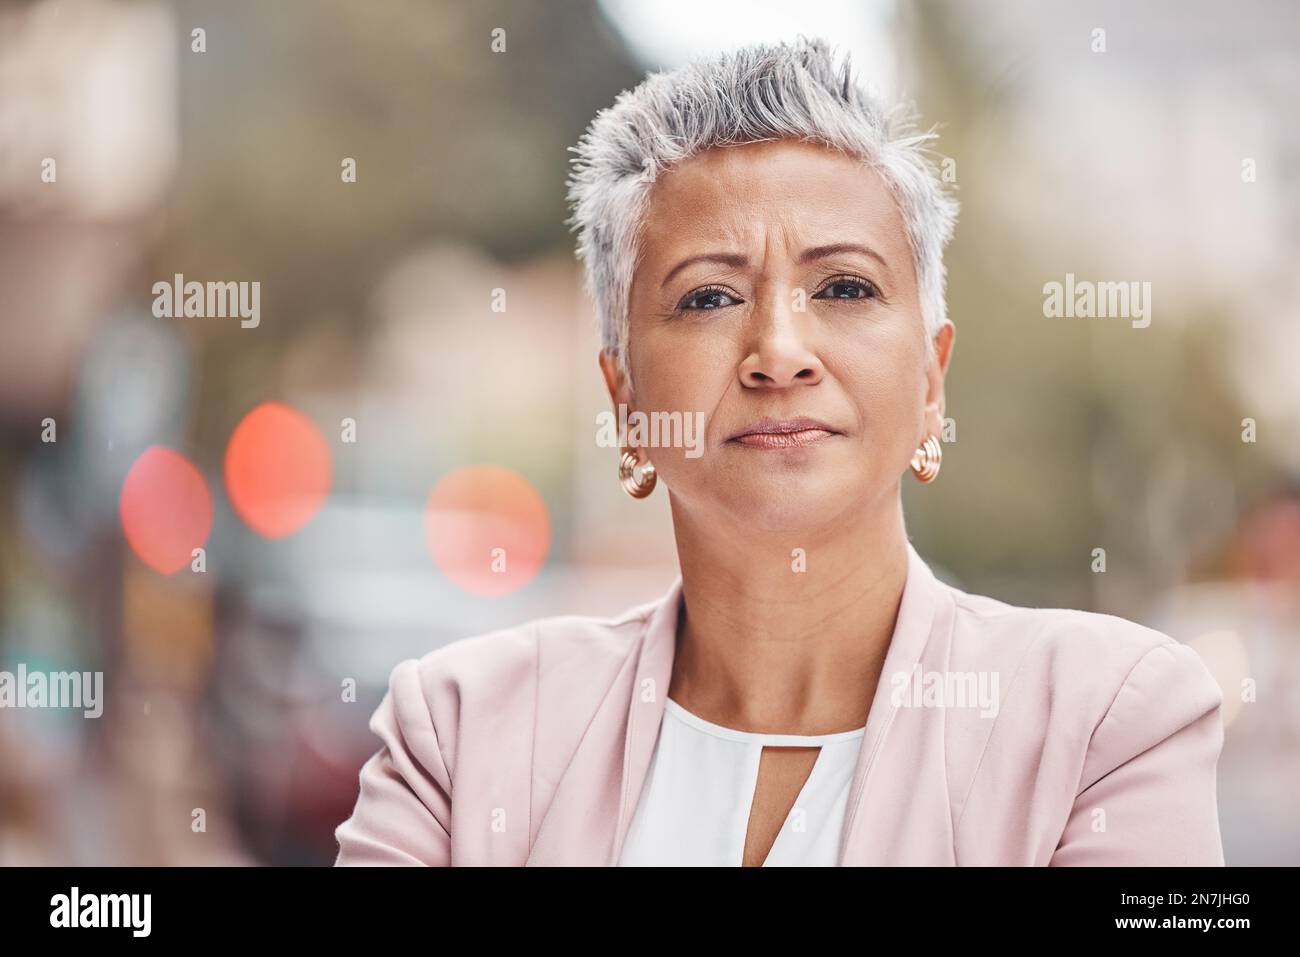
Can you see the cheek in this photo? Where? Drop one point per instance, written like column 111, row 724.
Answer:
column 884, row 377
column 673, row 375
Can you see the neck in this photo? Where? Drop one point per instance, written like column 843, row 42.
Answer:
column 763, row 646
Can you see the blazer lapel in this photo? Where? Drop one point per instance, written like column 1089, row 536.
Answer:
column 593, row 803
column 654, row 672
column 898, row 806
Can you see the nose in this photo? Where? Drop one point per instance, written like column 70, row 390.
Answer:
column 779, row 352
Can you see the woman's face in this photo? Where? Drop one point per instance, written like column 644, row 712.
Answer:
column 776, row 295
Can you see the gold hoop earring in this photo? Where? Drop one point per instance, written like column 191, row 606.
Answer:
column 627, row 477
column 926, row 459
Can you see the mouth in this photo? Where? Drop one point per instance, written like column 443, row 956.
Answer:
column 783, row 434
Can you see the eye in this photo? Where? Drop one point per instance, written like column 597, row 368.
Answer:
column 847, row 287
column 708, row 297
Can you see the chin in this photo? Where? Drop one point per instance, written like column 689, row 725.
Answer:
column 790, row 501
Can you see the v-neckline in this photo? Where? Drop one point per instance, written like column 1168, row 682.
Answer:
column 760, row 741
column 798, row 801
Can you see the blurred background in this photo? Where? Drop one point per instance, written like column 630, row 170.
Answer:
column 424, row 368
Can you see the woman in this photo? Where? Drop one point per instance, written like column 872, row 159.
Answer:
column 764, row 245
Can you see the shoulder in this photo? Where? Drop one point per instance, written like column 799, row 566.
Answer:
column 1081, row 642
column 1100, row 669
column 497, row 677
column 1062, row 630
column 506, row 656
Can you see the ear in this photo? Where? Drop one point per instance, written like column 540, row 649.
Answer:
column 935, row 373
column 620, row 390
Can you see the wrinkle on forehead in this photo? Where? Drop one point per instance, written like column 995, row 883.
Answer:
column 770, row 199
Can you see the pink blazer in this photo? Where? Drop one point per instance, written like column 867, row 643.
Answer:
column 530, row 745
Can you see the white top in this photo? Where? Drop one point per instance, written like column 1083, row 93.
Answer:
column 694, row 808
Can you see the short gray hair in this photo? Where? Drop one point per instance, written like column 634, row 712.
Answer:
column 761, row 92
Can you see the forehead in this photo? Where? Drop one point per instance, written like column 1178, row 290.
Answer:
column 740, row 194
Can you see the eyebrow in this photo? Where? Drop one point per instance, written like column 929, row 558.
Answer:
column 737, row 261
column 733, row 260
column 821, row 252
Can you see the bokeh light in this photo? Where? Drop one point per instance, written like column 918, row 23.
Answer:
column 488, row 529
column 165, row 508
column 278, row 469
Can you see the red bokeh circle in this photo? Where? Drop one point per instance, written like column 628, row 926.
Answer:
column 488, row 529
column 278, row 469
column 165, row 508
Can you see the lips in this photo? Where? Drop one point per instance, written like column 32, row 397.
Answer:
column 783, row 433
